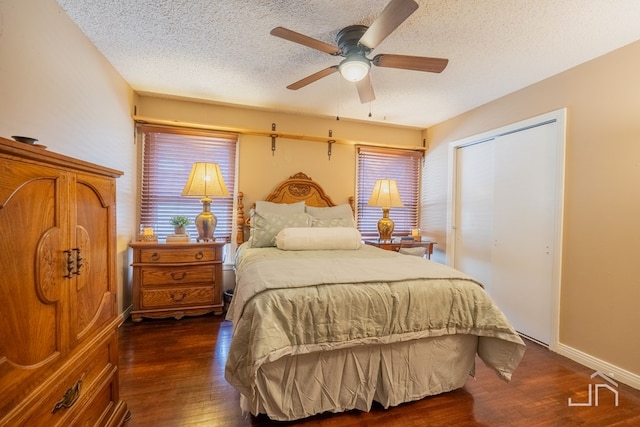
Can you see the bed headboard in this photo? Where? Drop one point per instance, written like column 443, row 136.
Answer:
column 296, row 188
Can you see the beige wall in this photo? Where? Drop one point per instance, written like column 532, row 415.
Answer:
column 600, row 293
column 260, row 170
column 55, row 86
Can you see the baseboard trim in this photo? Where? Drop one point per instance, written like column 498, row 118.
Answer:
column 127, row 312
column 614, row 372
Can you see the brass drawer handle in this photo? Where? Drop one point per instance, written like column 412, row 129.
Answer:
column 71, row 263
column 155, row 256
column 178, row 297
column 79, row 261
column 199, row 255
column 74, row 262
column 178, row 275
column 70, row 397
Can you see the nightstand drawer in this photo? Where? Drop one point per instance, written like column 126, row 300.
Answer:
column 172, row 297
column 171, row 276
column 173, row 255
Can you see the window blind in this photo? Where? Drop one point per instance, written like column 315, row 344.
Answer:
column 380, row 163
column 167, row 157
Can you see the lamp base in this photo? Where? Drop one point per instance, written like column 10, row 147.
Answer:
column 206, row 222
column 385, row 225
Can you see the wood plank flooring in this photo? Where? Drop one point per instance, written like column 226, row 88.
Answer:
column 172, row 374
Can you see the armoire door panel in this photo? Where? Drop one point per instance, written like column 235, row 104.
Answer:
column 32, row 287
column 93, row 302
column 31, row 297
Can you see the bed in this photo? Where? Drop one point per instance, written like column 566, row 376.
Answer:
column 323, row 323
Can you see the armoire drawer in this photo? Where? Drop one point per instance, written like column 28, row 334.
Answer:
column 71, row 392
column 176, row 297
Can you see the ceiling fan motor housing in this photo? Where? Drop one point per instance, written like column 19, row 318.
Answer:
column 348, row 38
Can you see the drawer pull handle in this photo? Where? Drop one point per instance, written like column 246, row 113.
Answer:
column 178, row 297
column 70, row 397
column 178, row 275
column 199, row 255
column 155, row 256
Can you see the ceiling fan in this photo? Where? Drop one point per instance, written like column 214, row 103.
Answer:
column 355, row 42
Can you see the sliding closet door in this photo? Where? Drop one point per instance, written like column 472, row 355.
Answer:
column 523, row 232
column 505, row 211
column 474, row 211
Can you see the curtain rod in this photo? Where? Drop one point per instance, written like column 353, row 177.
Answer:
column 268, row 134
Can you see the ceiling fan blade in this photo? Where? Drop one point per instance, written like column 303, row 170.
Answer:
column 313, row 77
column 391, row 17
column 365, row 89
column 292, row 36
column 406, row 62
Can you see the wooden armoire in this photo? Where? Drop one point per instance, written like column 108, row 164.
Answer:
column 58, row 299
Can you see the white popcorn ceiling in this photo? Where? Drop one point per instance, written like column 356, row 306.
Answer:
column 222, row 51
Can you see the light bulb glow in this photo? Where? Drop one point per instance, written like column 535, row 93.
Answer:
column 354, row 68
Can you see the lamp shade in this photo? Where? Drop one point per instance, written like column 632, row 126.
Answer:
column 205, row 180
column 385, row 194
column 354, row 68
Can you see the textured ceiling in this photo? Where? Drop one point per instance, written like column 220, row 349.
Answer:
column 222, row 51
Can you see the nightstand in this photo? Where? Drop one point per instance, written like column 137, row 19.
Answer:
column 176, row 279
column 396, row 244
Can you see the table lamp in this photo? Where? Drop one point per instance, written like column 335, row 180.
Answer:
column 205, row 180
column 385, row 195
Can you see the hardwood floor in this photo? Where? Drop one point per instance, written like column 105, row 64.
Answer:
column 172, row 374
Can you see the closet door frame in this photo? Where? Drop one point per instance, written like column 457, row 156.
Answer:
column 559, row 117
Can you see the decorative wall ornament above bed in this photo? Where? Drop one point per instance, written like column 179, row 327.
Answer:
column 296, row 188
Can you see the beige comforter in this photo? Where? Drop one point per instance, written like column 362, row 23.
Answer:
column 297, row 302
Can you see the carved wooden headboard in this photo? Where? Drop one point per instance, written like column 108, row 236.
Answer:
column 296, row 188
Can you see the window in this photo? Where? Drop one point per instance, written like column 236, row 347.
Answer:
column 167, row 157
column 379, row 163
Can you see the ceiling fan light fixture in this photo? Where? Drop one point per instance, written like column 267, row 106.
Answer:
column 354, row 68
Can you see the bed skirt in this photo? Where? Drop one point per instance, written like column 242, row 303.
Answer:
column 299, row 386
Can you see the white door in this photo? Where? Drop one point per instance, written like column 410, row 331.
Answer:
column 505, row 222
column 474, row 211
column 523, row 232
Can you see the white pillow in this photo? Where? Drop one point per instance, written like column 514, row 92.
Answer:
column 279, row 208
column 318, row 238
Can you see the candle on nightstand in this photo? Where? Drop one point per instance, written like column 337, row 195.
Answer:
column 414, row 232
column 148, row 232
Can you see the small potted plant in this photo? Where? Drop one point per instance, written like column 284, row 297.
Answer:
column 179, row 222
